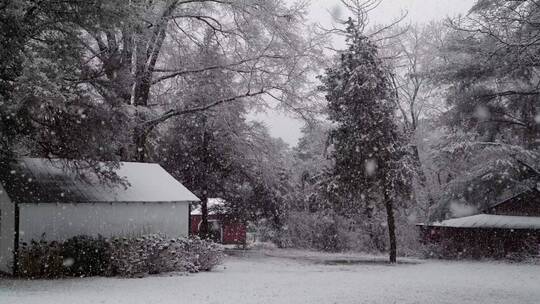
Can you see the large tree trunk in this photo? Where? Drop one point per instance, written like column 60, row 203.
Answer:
column 204, row 231
column 140, row 146
column 391, row 227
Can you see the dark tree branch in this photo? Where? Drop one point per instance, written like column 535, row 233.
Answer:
column 149, row 125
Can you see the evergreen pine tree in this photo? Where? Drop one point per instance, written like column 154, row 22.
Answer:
column 369, row 149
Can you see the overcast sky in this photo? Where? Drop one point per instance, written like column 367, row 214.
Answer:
column 418, row 11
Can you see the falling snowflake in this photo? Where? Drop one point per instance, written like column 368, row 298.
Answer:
column 371, row 167
column 68, row 262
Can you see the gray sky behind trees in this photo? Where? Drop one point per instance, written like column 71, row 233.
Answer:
column 418, row 11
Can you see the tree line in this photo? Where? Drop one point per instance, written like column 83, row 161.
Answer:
column 406, row 123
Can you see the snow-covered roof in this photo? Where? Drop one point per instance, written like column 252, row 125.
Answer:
column 214, row 205
column 491, row 221
column 38, row 180
column 530, row 189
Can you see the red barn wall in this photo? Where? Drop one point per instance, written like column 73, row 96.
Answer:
column 233, row 233
column 481, row 242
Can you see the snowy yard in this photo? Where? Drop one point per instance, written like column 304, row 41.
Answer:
column 292, row 277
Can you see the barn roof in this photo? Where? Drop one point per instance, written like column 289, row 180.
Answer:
column 38, row 180
column 529, row 190
column 491, row 221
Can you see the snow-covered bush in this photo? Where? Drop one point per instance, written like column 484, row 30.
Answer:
column 329, row 231
column 77, row 256
column 86, row 256
column 324, row 231
column 153, row 254
column 135, row 256
column 204, row 254
column 319, row 231
column 40, row 259
column 129, row 257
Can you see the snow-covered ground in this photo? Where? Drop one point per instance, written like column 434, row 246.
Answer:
column 297, row 277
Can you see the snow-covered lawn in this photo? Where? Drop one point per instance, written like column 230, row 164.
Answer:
column 297, row 277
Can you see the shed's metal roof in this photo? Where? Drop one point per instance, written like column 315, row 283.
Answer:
column 37, row 180
column 491, row 221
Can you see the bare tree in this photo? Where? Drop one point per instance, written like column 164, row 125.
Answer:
column 412, row 56
column 264, row 43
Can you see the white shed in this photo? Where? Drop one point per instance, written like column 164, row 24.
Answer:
column 40, row 199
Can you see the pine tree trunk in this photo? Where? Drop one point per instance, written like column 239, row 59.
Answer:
column 391, row 228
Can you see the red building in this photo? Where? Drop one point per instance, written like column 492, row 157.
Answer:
column 223, row 228
column 507, row 227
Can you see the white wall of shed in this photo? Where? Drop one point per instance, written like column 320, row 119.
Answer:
column 62, row 221
column 7, row 231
